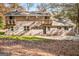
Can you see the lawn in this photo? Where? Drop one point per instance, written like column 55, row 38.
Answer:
column 35, row 46
column 29, row 38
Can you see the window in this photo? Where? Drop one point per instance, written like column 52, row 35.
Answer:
column 11, row 17
column 24, row 28
column 28, row 28
column 49, row 28
column 59, row 27
column 11, row 20
column 66, row 28
column 46, row 17
column 12, row 29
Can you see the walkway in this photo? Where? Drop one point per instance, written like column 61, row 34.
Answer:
column 60, row 37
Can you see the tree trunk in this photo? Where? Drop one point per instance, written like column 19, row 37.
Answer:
column 78, row 18
column 77, row 22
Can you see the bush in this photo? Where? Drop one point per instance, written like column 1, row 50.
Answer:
column 1, row 23
column 2, row 33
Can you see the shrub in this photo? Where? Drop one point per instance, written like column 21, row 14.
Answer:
column 1, row 23
column 2, row 33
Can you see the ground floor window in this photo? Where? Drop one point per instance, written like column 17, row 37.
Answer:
column 49, row 28
column 59, row 27
column 12, row 29
column 27, row 28
column 24, row 28
column 66, row 28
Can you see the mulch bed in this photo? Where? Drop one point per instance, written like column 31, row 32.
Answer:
column 46, row 47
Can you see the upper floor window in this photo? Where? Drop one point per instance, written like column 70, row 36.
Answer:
column 11, row 17
column 11, row 20
column 47, row 17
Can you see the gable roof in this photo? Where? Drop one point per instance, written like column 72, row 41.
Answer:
column 34, row 13
column 63, row 22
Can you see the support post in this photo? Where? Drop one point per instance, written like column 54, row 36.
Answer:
column 44, row 30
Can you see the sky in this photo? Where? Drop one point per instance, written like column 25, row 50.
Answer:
column 33, row 8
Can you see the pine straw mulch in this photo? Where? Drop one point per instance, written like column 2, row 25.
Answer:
column 46, row 47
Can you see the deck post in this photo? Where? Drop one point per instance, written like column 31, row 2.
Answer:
column 28, row 28
column 44, row 30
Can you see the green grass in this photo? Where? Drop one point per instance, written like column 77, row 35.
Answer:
column 25, row 38
column 30, row 38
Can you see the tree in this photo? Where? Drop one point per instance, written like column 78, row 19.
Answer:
column 72, row 12
column 42, row 7
column 29, row 5
column 69, row 10
column 1, row 23
column 77, row 21
column 13, row 6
